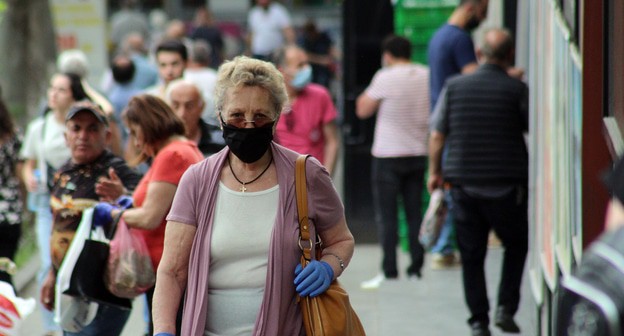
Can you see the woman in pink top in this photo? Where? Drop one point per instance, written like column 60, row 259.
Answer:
column 232, row 232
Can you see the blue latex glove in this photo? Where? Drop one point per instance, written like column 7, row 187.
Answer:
column 124, row 202
column 102, row 214
column 164, row 334
column 314, row 279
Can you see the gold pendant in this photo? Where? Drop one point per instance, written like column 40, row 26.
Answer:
column 242, row 188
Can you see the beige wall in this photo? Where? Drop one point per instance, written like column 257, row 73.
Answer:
column 494, row 19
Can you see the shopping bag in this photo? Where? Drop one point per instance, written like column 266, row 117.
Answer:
column 129, row 271
column 433, row 219
column 87, row 274
column 70, row 312
column 74, row 313
column 13, row 310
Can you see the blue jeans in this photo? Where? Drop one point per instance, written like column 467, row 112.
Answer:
column 393, row 178
column 445, row 243
column 43, row 227
column 108, row 321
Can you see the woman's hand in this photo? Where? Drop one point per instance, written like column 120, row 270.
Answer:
column 32, row 184
column 28, row 173
column 314, row 279
column 102, row 214
column 125, row 202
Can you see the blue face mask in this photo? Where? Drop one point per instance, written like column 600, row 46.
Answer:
column 302, row 78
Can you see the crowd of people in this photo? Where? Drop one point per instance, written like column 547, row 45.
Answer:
column 195, row 150
column 122, row 147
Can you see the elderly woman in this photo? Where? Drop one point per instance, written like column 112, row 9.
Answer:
column 232, row 231
column 158, row 134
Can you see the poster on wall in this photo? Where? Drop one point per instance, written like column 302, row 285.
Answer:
column 577, row 129
column 555, row 143
column 81, row 24
column 547, row 158
column 564, row 191
column 535, row 173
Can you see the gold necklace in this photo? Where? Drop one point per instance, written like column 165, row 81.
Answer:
column 243, row 188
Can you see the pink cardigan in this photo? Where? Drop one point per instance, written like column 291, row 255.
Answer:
column 194, row 203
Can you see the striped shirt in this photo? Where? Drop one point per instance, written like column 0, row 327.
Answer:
column 401, row 128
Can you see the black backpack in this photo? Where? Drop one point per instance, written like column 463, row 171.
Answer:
column 591, row 301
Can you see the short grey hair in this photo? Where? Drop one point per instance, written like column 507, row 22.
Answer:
column 200, row 52
column 244, row 71
column 278, row 56
column 175, row 84
column 499, row 51
column 73, row 61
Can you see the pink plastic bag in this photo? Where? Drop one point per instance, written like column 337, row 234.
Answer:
column 129, row 272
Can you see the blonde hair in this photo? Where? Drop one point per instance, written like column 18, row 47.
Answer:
column 244, row 71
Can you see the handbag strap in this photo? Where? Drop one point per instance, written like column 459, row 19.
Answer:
column 305, row 242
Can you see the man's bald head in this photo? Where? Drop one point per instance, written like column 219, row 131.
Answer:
column 183, row 86
column 498, row 46
column 186, row 100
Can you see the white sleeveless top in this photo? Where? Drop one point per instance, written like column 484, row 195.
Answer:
column 239, row 257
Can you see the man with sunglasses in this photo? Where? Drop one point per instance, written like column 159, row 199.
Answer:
column 308, row 125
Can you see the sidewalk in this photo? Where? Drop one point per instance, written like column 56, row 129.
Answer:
column 431, row 306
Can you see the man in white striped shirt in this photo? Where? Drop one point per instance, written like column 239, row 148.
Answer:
column 399, row 95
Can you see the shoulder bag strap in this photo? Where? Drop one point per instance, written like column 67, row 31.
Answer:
column 305, row 243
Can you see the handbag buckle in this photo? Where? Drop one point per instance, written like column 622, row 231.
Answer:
column 309, row 244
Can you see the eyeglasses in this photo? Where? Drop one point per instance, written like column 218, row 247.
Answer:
column 239, row 121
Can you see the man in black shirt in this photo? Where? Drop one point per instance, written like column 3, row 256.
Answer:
column 481, row 117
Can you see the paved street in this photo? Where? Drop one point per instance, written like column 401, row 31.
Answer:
column 432, row 306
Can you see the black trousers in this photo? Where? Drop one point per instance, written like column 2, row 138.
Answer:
column 393, row 178
column 474, row 217
column 9, row 240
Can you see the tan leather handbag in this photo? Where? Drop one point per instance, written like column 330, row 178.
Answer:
column 329, row 314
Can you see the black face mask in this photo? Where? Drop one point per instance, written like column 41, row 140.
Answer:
column 248, row 144
column 472, row 24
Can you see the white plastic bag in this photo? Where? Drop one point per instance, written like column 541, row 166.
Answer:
column 72, row 313
column 13, row 309
column 433, row 219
